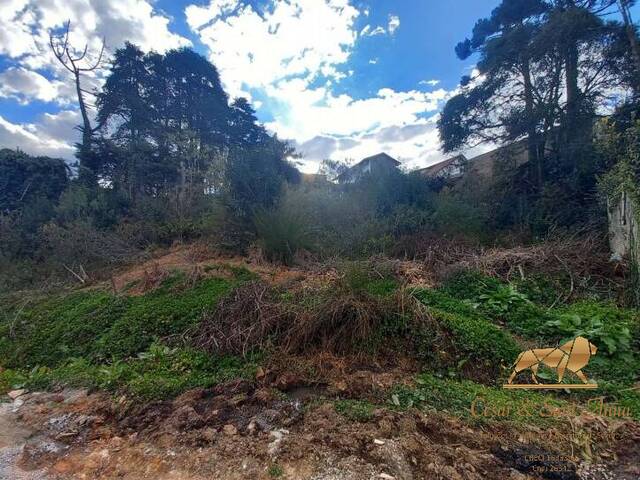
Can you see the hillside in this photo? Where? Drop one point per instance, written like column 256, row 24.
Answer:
column 196, row 364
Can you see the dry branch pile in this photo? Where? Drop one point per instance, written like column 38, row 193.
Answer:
column 255, row 316
column 245, row 320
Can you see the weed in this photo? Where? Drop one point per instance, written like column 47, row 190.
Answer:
column 366, row 278
column 158, row 373
column 355, row 410
column 473, row 340
column 604, row 324
column 10, row 379
column 282, row 233
column 275, row 470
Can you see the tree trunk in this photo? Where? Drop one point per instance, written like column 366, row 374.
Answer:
column 86, row 174
column 532, row 137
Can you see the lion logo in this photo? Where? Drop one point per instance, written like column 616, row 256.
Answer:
column 572, row 356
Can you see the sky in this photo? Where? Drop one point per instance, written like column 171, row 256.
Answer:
column 340, row 79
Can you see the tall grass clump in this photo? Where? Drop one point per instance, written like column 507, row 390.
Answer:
column 282, row 233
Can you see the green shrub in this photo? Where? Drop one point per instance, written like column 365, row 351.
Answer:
column 10, row 379
column 168, row 310
column 453, row 216
column 472, row 339
column 368, row 278
column 605, row 325
column 282, row 233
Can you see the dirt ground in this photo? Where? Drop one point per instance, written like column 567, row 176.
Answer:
column 280, row 427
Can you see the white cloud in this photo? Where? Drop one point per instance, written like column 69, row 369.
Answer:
column 253, row 49
column 310, row 111
column 431, row 83
column 376, row 31
column 34, row 74
column 392, row 26
column 280, row 51
column 26, row 85
column 394, row 23
column 53, row 135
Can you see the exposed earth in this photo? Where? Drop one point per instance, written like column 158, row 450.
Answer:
column 277, row 428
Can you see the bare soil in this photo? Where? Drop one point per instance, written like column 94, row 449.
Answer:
column 281, row 426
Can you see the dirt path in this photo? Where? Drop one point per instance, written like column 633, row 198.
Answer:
column 12, row 438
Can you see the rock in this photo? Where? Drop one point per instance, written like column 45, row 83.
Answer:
column 288, row 381
column 252, row 427
column 186, row 418
column 238, row 399
column 230, row 430
column 40, row 451
column 386, row 476
column 13, row 394
column 378, row 442
column 74, row 395
column 278, row 436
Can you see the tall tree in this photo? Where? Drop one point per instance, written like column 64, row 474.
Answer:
column 504, row 42
column 78, row 63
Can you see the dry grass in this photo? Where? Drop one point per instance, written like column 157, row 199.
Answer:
column 244, row 321
column 580, row 261
column 339, row 324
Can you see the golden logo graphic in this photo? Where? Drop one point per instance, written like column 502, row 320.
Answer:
column 572, row 356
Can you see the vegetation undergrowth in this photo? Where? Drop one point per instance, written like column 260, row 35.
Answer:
column 469, row 329
column 157, row 373
column 476, row 402
column 96, row 339
column 493, row 306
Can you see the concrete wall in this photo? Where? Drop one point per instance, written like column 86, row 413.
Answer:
column 624, row 231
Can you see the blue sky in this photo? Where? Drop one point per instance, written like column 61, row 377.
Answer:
column 339, row 78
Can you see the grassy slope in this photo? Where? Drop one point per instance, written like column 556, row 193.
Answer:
column 118, row 343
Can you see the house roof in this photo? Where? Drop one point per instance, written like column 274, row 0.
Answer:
column 436, row 168
column 379, row 157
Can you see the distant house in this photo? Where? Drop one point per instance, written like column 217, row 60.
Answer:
column 376, row 164
column 449, row 168
column 482, row 166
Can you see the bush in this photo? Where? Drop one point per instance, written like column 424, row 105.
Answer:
column 282, row 233
column 457, row 217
